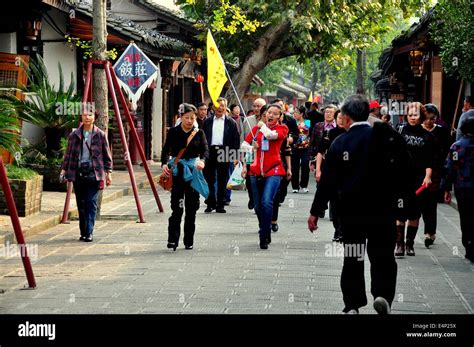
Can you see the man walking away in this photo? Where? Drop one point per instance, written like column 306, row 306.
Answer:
column 358, row 166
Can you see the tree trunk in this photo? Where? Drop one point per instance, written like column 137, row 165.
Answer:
column 263, row 54
column 360, row 72
column 99, row 79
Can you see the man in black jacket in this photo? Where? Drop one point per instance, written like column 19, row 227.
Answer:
column 366, row 171
column 314, row 116
column 224, row 142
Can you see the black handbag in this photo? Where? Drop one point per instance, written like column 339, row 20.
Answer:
column 86, row 172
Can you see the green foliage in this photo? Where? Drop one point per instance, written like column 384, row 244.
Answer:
column 20, row 173
column 9, row 127
column 86, row 47
column 336, row 78
column 452, row 31
column 41, row 106
column 317, row 29
column 37, row 154
column 273, row 73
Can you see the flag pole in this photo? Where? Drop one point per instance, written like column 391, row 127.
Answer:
column 238, row 99
column 232, row 84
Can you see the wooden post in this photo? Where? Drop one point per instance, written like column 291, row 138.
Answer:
column 457, row 108
column 99, row 84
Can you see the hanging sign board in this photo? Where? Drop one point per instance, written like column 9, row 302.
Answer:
column 135, row 72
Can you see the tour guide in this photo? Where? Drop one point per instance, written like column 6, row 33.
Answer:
column 266, row 169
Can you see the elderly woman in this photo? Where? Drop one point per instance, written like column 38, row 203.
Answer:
column 188, row 180
column 267, row 169
column 87, row 163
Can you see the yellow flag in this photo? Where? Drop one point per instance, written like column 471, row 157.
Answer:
column 216, row 78
column 310, row 96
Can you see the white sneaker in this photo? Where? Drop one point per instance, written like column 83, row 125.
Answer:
column 353, row 311
column 381, row 306
column 305, row 190
column 295, row 191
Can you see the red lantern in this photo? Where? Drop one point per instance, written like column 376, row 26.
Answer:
column 200, row 78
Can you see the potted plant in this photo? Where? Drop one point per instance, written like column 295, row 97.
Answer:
column 57, row 112
column 54, row 110
column 27, row 189
column 26, row 184
column 35, row 157
column 9, row 127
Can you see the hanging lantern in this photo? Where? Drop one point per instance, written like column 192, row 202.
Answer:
column 416, row 62
column 200, row 78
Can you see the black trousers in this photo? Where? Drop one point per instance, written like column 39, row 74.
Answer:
column 248, row 185
column 221, row 168
column 284, row 188
column 182, row 191
column 379, row 241
column 465, row 200
column 428, row 206
column 300, row 159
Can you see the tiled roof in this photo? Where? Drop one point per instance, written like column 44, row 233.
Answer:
column 417, row 30
column 177, row 16
column 138, row 32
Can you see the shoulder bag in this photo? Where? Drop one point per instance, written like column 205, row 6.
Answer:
column 167, row 182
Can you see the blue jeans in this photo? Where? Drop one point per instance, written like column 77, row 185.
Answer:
column 264, row 190
column 86, row 199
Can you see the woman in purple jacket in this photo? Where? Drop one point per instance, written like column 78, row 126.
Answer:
column 87, row 164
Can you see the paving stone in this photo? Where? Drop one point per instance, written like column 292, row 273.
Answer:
column 127, row 269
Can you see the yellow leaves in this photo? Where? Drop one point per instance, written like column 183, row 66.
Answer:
column 86, row 46
column 230, row 18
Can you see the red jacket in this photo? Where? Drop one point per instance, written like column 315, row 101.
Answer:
column 268, row 163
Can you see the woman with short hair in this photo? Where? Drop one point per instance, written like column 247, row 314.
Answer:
column 441, row 144
column 188, row 180
column 87, row 164
column 420, row 146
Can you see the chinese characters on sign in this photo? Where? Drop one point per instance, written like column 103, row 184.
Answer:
column 135, row 72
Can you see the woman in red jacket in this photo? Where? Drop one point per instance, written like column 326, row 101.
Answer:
column 266, row 169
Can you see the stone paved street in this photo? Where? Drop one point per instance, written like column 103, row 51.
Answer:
column 128, row 269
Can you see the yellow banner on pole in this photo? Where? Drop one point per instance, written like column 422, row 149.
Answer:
column 216, row 78
column 310, row 98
